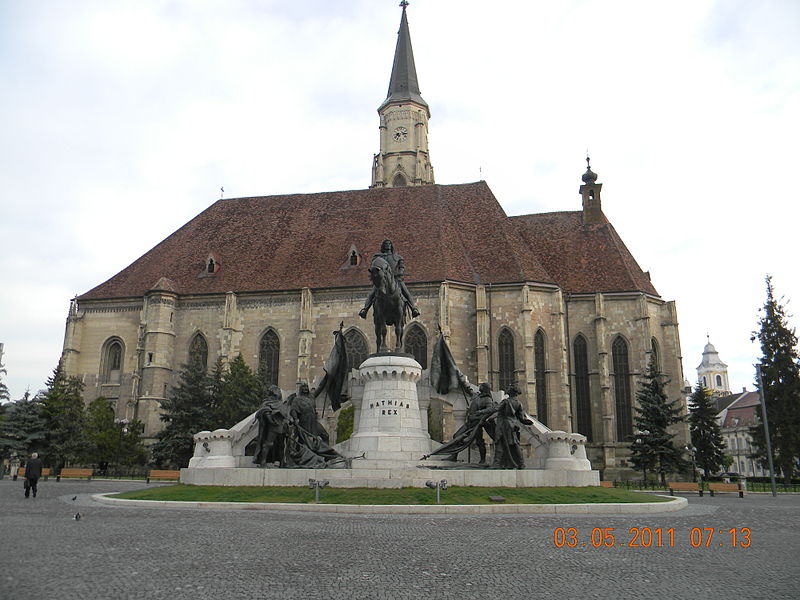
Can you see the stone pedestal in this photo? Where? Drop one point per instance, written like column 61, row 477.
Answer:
column 389, row 427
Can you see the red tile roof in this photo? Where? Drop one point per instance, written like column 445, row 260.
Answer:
column 581, row 258
column 444, row 232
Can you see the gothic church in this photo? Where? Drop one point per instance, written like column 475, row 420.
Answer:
column 553, row 301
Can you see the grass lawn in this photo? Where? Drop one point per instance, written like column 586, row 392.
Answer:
column 453, row 495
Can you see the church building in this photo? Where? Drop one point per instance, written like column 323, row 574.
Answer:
column 552, row 301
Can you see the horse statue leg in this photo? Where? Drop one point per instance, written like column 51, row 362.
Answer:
column 380, row 331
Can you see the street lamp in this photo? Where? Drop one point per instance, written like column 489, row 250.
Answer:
column 692, row 450
column 123, row 430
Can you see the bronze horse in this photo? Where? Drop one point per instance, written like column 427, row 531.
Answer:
column 389, row 307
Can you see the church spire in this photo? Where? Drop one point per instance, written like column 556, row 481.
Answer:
column 403, row 84
column 403, row 158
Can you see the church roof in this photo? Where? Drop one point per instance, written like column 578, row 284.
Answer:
column 403, row 84
column 582, row 259
column 444, row 232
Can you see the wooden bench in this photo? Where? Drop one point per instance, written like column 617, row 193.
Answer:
column 684, row 486
column 76, row 473
column 163, row 475
column 607, row 484
column 45, row 473
column 725, row 487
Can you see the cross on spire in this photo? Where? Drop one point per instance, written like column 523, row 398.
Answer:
column 404, row 3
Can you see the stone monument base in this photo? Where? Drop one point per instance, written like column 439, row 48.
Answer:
column 383, row 478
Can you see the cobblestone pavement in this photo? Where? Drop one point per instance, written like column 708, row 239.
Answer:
column 126, row 553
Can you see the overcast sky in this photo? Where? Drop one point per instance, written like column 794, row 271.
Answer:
column 120, row 121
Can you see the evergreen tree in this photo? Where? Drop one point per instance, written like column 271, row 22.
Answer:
column 780, row 374
column 112, row 441
column 652, row 448
column 188, row 410
column 102, row 433
column 238, row 394
column 65, row 419
column 23, row 429
column 706, row 432
column 4, row 393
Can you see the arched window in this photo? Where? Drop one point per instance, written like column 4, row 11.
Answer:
column 210, row 267
column 505, row 351
column 654, row 356
column 415, row 342
column 622, row 389
column 353, row 258
column 357, row 350
column 582, row 396
column 198, row 350
column 705, row 383
column 112, row 361
column 399, row 181
column 719, row 380
column 540, row 374
column 269, row 352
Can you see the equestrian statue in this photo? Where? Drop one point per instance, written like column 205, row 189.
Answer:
column 390, row 299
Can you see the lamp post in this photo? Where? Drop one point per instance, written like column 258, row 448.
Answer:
column 438, row 486
column 692, row 450
column 123, row 430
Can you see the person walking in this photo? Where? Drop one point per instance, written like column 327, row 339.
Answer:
column 33, row 470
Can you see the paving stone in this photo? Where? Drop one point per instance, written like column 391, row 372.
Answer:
column 132, row 553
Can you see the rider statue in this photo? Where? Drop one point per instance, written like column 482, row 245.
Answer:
column 398, row 269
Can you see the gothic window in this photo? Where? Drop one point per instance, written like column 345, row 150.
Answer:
column 112, row 361
column 622, row 389
column 540, row 374
column 198, row 350
column 415, row 342
column 399, row 181
column 357, row 350
column 654, row 356
column 269, row 350
column 582, row 397
column 719, row 380
column 505, row 351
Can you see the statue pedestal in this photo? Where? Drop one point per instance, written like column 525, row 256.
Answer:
column 389, row 426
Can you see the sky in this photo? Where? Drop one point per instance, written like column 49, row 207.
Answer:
column 120, row 121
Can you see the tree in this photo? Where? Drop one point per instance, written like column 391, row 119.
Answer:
column 188, row 409
column 237, row 395
column 652, row 448
column 64, row 418
column 705, row 431
column 23, row 430
column 4, row 393
column 780, row 375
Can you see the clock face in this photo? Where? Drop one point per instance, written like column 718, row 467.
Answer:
column 400, row 134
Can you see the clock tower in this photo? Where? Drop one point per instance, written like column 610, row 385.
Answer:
column 403, row 158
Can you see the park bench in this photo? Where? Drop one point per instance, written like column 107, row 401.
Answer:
column 45, row 472
column 76, row 473
column 684, row 486
column 726, row 487
column 163, row 475
column 607, row 484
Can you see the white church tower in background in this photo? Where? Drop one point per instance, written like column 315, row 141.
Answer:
column 712, row 373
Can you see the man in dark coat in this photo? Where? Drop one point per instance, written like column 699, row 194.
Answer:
column 33, row 470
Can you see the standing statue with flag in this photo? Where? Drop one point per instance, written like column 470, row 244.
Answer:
column 336, row 368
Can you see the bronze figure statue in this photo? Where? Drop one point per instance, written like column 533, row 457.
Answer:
column 289, row 434
column 390, row 300
column 480, row 412
column 508, row 422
